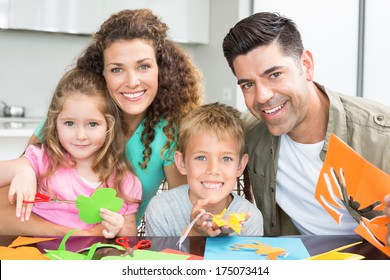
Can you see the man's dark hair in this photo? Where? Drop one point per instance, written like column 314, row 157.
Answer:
column 262, row 29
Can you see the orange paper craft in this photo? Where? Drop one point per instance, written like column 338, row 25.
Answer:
column 190, row 256
column 272, row 253
column 363, row 184
column 21, row 253
column 21, row 241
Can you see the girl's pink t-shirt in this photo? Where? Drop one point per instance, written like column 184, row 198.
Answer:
column 66, row 184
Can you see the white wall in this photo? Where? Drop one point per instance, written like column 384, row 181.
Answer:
column 329, row 30
column 31, row 65
column 377, row 51
column 220, row 83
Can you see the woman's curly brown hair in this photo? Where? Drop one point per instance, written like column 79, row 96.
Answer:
column 179, row 81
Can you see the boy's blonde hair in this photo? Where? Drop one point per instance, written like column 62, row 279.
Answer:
column 218, row 119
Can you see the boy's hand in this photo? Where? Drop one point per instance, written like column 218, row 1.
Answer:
column 23, row 186
column 204, row 226
column 112, row 222
column 386, row 210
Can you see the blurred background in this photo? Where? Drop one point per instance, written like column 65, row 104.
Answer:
column 41, row 39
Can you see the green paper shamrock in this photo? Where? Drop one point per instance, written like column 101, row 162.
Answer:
column 89, row 207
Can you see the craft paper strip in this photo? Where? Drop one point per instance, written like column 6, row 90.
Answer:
column 21, row 253
column 232, row 220
column 21, row 241
column 220, row 248
column 336, row 255
column 347, row 178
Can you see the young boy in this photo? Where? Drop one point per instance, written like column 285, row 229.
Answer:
column 211, row 155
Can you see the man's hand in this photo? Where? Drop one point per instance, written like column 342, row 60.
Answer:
column 386, row 211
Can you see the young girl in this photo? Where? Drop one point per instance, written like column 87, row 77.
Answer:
column 82, row 150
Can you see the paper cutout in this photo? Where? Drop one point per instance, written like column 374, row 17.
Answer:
column 147, row 255
column 188, row 228
column 347, row 180
column 220, row 248
column 21, row 241
column 190, row 256
column 89, row 207
column 62, row 254
column 336, row 255
column 233, row 221
column 21, row 253
column 272, row 253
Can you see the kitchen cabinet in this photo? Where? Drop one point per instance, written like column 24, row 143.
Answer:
column 188, row 20
column 69, row 16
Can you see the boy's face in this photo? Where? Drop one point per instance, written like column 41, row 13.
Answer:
column 212, row 167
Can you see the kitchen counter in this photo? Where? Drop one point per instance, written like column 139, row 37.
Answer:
column 18, row 127
column 15, row 134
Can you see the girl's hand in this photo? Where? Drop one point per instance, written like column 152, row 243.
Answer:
column 23, row 187
column 112, row 222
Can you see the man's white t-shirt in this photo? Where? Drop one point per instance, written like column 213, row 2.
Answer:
column 299, row 166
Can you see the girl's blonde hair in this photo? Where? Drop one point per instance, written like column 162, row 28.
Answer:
column 218, row 119
column 110, row 159
column 180, row 87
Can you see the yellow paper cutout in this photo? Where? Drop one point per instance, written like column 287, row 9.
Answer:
column 272, row 253
column 21, row 253
column 21, row 241
column 336, row 255
column 233, row 221
column 346, row 178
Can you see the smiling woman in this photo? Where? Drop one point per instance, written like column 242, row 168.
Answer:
column 154, row 83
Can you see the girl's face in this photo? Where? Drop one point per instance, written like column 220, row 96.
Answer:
column 82, row 127
column 131, row 73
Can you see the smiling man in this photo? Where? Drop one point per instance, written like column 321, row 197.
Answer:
column 295, row 116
